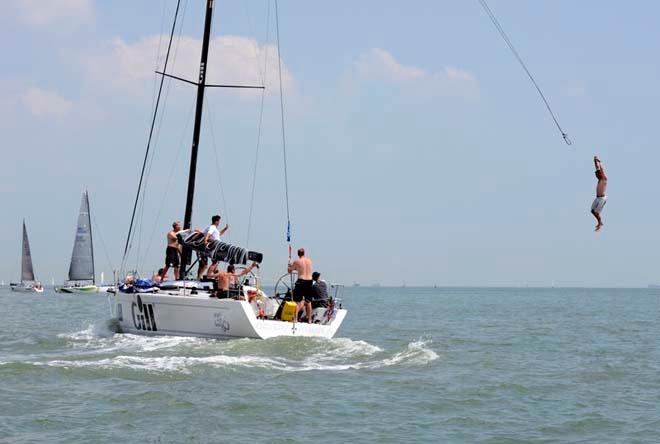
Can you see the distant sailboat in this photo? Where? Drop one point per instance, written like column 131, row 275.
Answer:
column 105, row 287
column 81, row 270
column 28, row 283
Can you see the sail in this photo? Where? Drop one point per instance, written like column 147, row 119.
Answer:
column 217, row 250
column 27, row 272
column 82, row 258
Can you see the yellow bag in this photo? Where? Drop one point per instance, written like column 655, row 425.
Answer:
column 288, row 311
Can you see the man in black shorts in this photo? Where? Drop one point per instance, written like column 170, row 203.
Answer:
column 172, row 252
column 303, row 292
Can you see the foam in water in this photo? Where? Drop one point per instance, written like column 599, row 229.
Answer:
column 281, row 354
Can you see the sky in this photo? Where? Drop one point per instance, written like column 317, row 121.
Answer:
column 418, row 151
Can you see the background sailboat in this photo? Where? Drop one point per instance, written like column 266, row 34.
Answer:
column 28, row 283
column 81, row 270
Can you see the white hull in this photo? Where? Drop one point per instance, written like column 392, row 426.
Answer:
column 200, row 315
column 78, row 290
column 26, row 289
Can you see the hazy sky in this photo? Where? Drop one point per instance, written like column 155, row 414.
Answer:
column 418, row 150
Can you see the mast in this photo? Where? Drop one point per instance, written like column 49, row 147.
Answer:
column 91, row 239
column 201, row 85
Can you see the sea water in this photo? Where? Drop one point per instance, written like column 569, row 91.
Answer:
column 444, row 365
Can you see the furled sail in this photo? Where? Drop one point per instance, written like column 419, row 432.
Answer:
column 217, row 250
column 82, row 258
column 27, row 272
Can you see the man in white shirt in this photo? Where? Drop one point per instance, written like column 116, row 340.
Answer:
column 211, row 233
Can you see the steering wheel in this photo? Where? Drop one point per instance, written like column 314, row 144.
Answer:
column 282, row 286
column 249, row 275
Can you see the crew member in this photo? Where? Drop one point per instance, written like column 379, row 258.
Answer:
column 230, row 278
column 172, row 253
column 303, row 292
column 211, row 233
column 320, row 290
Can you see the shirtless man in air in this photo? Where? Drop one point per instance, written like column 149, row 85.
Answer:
column 601, row 197
column 230, row 277
column 303, row 292
column 172, row 253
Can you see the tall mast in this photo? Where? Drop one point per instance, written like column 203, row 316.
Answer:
column 201, row 85
column 91, row 239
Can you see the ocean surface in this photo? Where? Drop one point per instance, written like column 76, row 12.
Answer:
column 444, row 365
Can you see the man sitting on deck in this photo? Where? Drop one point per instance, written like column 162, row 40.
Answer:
column 303, row 292
column 320, row 290
column 230, row 278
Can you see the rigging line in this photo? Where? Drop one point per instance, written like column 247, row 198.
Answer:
column 170, row 178
column 105, row 250
column 209, row 117
column 286, row 176
column 156, row 134
column 260, row 128
column 168, row 90
column 255, row 43
column 160, row 45
column 153, row 123
column 506, row 39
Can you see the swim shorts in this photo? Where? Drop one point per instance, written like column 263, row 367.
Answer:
column 598, row 204
column 304, row 289
column 171, row 257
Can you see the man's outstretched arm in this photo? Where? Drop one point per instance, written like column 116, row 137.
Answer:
column 247, row 270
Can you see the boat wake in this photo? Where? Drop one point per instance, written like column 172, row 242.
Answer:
column 98, row 348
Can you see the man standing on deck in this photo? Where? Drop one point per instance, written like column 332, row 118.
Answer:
column 601, row 197
column 303, row 292
column 172, row 253
column 211, row 233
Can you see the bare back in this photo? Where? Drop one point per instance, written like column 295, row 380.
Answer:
column 224, row 279
column 304, row 268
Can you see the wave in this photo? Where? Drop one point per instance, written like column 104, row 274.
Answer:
column 185, row 354
column 98, row 338
column 98, row 347
column 179, row 364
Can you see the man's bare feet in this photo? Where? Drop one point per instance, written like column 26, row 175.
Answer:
column 599, row 227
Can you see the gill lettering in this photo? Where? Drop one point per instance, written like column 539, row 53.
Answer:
column 143, row 315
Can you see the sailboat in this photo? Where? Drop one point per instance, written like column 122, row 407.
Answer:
column 28, row 283
column 81, row 268
column 104, row 287
column 188, row 307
